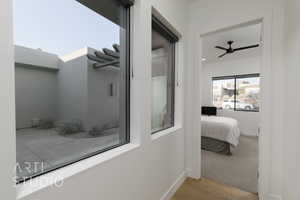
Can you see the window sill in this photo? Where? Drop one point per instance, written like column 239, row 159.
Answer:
column 58, row 176
column 165, row 132
column 237, row 110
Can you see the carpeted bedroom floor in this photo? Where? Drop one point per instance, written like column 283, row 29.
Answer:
column 238, row 170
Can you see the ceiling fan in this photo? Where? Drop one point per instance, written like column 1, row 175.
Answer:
column 231, row 50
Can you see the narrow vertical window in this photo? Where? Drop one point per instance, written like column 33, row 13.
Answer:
column 72, row 81
column 163, row 76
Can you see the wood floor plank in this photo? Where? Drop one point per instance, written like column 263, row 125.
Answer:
column 205, row 189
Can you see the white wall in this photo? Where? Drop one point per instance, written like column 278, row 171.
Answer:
column 84, row 92
column 35, row 85
column 72, row 89
column 36, row 94
column 291, row 134
column 103, row 109
column 248, row 121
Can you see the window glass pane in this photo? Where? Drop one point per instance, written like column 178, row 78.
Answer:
column 247, row 94
column 163, row 55
column 71, row 94
column 223, row 93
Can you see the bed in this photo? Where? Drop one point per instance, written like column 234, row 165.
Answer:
column 219, row 134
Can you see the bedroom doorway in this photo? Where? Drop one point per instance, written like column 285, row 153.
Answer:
column 230, row 100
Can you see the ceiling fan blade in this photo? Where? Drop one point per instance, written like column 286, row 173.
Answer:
column 222, row 48
column 222, row 55
column 247, row 47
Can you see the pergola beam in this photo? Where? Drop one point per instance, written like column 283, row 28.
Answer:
column 117, row 48
column 107, row 58
column 103, row 56
column 111, row 53
column 94, row 58
column 113, row 63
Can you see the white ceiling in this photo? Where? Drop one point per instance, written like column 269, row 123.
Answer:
column 243, row 36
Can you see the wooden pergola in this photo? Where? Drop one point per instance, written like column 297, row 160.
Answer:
column 106, row 57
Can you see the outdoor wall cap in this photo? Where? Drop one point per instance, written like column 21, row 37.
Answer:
column 35, row 57
column 75, row 54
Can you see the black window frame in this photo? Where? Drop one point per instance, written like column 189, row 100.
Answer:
column 127, row 76
column 235, row 77
column 168, row 34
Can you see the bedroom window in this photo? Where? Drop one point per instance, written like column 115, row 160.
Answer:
column 163, row 76
column 238, row 92
column 72, row 79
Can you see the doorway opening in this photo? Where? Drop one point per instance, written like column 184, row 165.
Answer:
column 231, row 105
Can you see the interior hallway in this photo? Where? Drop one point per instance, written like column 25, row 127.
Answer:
column 205, row 189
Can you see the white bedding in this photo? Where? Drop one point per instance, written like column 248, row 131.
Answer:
column 221, row 128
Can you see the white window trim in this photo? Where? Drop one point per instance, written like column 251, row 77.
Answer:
column 166, row 132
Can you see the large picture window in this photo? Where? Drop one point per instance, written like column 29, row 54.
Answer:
column 71, row 81
column 239, row 93
column 163, row 76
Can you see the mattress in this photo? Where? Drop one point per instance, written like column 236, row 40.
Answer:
column 220, row 128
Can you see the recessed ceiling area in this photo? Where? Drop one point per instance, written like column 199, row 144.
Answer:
column 242, row 36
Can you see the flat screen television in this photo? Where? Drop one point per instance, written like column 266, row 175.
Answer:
column 209, row 110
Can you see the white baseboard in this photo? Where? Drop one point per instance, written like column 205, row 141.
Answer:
column 274, row 197
column 174, row 187
column 271, row 197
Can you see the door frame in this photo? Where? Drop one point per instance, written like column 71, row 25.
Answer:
column 265, row 106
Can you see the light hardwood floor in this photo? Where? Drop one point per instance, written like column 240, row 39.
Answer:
column 205, row 189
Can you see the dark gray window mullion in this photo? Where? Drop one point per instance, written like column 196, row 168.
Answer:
column 173, row 83
column 128, row 75
column 124, row 82
column 235, row 93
